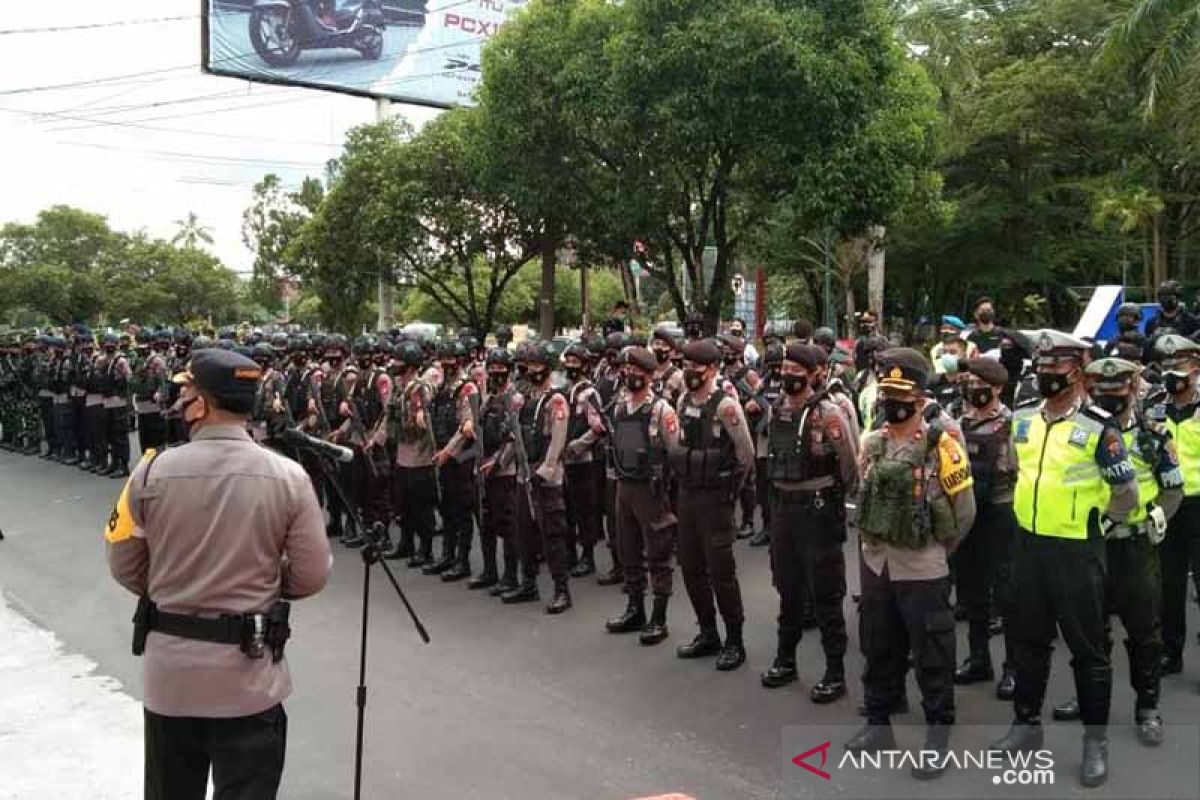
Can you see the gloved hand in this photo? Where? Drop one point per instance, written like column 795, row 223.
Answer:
column 1108, row 526
column 1157, row 527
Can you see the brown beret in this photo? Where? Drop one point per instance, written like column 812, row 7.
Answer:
column 639, row 357
column 733, row 343
column 808, row 356
column 988, row 370
column 903, row 368
column 702, row 351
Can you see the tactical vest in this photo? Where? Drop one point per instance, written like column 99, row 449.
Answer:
column 893, row 509
column 797, row 450
column 371, row 407
column 661, row 384
column 577, row 424
column 532, row 419
column 1059, row 483
column 443, row 412
column 704, row 458
column 118, row 384
column 295, row 390
column 98, row 377
column 494, row 422
column 402, row 422
column 332, row 393
column 1184, row 425
column 634, row 456
column 261, row 399
column 60, row 380
column 985, row 441
column 606, row 386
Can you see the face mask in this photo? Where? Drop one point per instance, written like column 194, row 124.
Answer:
column 867, row 328
column 1051, row 384
column 1176, row 384
column 572, row 373
column 537, row 376
column 1112, row 403
column 986, row 317
column 1169, row 303
column 662, row 355
column 730, row 360
column 184, row 406
column 496, row 380
column 795, row 384
column 693, row 378
column 898, row 411
column 1124, row 325
column 635, row 382
column 522, row 370
column 980, row 397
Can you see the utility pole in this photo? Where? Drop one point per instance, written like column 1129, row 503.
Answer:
column 387, row 292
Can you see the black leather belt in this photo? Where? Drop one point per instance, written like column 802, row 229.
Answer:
column 253, row 633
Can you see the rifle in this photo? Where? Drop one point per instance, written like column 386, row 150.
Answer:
column 437, row 471
column 514, row 425
column 476, row 419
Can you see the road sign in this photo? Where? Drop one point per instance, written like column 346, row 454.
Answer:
column 738, row 282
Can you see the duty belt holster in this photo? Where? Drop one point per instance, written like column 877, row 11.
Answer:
column 815, row 499
column 254, row 634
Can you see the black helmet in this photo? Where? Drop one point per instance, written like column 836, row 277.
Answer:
column 202, row 343
column 226, row 333
column 279, row 341
column 226, row 344
column 539, row 353
column 595, row 345
column 316, row 343
column 263, row 351
column 337, row 343
column 410, row 354
column 774, row 354
column 469, row 343
column 161, row 337
column 575, row 350
column 364, row 346
column 297, row 343
column 449, row 348
column 183, row 336
column 384, row 346
column 615, row 341
column 1129, row 309
column 504, row 335
column 824, row 337
column 500, row 356
column 111, row 340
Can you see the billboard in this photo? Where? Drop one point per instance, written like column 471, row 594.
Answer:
column 425, row 52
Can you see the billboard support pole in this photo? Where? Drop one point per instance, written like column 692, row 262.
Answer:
column 387, row 292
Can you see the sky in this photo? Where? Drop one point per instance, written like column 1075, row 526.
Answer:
column 147, row 149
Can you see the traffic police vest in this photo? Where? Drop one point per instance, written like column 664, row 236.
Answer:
column 1059, row 484
column 1143, row 452
column 1184, row 425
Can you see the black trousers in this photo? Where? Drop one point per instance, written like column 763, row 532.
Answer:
column 499, row 524
column 414, row 497
column 152, row 431
column 458, row 498
column 376, row 495
column 1134, row 592
column 1179, row 552
column 983, row 577
column 584, row 505
column 542, row 531
column 706, row 556
column 899, row 618
column 97, row 442
column 46, row 408
column 748, row 497
column 646, row 529
column 64, row 425
column 807, row 562
column 245, row 754
column 762, row 491
column 116, row 434
column 1061, row 582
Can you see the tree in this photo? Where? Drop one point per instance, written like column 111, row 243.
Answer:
column 269, row 224
column 1161, row 38
column 191, row 232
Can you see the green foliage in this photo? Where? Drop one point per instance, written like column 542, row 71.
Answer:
column 273, row 219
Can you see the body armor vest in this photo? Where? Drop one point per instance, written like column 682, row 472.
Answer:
column 295, row 392
column 370, row 406
column 633, row 455
column 117, row 384
column 606, row 386
column 98, row 377
column 797, row 448
column 402, row 425
column 533, row 428
column 578, row 424
column 705, row 455
column 660, row 385
column 494, row 422
column 443, row 412
column 985, row 439
column 893, row 508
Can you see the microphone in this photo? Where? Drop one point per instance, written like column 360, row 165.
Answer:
column 328, row 449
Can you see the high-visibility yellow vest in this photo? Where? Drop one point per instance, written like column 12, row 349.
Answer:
column 1147, row 481
column 1187, row 445
column 1058, row 481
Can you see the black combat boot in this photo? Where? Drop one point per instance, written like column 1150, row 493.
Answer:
column 872, row 738
column 508, row 581
column 401, row 549
column 1066, row 711
column 1093, row 771
column 561, row 600
column 614, row 576
column 107, row 468
column 783, row 670
column 656, row 630
column 733, row 655
column 439, row 567
column 1149, row 726
column 1006, row 689
column 1025, row 735
column 933, row 760
column 459, row 570
column 586, row 564
column 423, row 556
column 976, row 669
column 353, row 539
column 527, row 592
column 632, row 619
column 484, row 580
column 832, row 687
column 900, row 707
column 707, row 643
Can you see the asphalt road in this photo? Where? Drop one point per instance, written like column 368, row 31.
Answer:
column 508, row 703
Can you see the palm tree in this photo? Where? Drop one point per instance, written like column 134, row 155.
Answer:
column 191, row 232
column 1162, row 39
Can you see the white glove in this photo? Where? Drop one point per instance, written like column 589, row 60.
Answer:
column 1157, row 529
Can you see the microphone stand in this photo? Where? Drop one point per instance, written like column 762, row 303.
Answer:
column 372, row 551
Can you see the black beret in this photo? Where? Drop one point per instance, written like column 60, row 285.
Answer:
column 988, row 369
column 640, row 357
column 808, row 356
column 903, row 368
column 702, row 351
column 733, row 343
column 224, row 374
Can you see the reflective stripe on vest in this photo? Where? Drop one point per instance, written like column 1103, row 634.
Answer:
column 1058, row 481
column 1187, row 445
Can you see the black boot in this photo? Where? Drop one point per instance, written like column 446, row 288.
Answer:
column 872, row 739
column 561, row 600
column 484, row 580
column 632, row 619
column 783, row 671
column 1093, row 771
column 1024, row 736
column 832, row 687
column 527, row 592
column 611, row 578
column 1006, row 689
column 933, row 760
column 401, row 549
column 107, row 468
column 1149, row 726
column 586, row 565
column 508, row 581
column 747, row 529
column 707, row 643
column 762, row 538
column 438, row 567
column 423, row 556
column 120, row 471
column 458, row 571
column 976, row 669
column 656, row 630
column 1066, row 711
column 733, row 655
column 901, row 707
column 353, row 540
column 1172, row 664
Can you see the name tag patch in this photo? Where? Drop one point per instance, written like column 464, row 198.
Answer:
column 1021, row 434
column 1079, row 438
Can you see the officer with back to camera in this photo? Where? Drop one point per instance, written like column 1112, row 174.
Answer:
column 213, row 535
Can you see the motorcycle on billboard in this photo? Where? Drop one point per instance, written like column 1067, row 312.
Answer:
column 280, row 30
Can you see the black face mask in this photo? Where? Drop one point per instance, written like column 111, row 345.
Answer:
column 693, row 378
column 537, row 376
column 1125, row 325
column 496, row 380
column 1051, row 384
column 731, row 361
column 572, row 373
column 522, row 370
column 795, row 384
column 867, row 328
column 898, row 411
column 449, row 367
column 662, row 355
column 1112, row 403
column 1176, row 384
column 980, row 397
column 1169, row 303
column 635, row 382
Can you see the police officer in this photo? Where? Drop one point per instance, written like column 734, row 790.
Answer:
column 414, row 479
column 64, row 410
column 94, row 419
column 176, row 430
column 584, row 463
column 1075, row 482
column 607, row 381
column 1133, row 584
column 207, row 706
column 644, row 426
column 768, row 392
column 744, row 382
column 149, row 386
column 1179, row 361
column 268, row 417
column 914, row 504
column 116, row 408
column 667, row 381
column 453, row 434
column 1173, row 317
column 498, row 471
column 812, row 465
column 712, row 460
column 983, row 563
